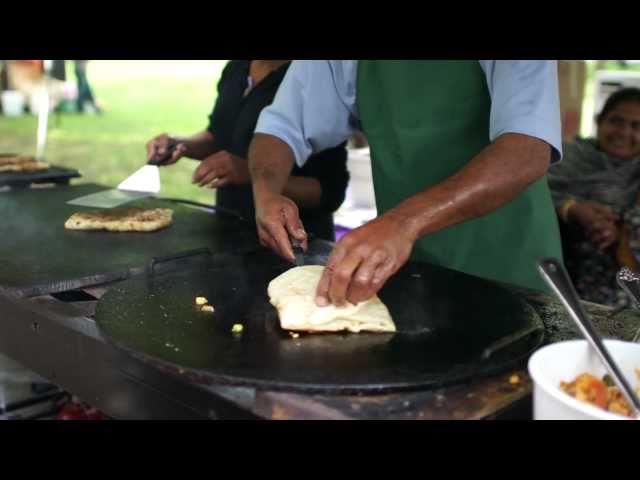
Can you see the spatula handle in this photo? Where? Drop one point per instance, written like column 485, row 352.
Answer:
column 161, row 160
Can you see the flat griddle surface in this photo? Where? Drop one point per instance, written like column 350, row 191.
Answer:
column 41, row 256
column 445, row 321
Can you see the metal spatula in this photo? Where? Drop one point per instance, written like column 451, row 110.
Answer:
column 145, row 182
column 298, row 252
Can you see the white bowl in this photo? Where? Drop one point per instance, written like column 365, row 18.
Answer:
column 564, row 361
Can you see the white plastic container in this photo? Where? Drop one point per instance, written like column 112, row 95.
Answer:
column 360, row 191
column 564, row 361
column 12, row 103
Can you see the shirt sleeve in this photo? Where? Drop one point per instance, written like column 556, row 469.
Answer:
column 525, row 99
column 312, row 107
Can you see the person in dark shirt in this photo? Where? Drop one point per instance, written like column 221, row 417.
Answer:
column 244, row 89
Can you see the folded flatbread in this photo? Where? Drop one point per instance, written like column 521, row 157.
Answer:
column 293, row 295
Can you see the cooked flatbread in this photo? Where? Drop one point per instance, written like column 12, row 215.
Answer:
column 121, row 220
column 21, row 163
column 293, row 295
column 25, row 167
column 11, row 159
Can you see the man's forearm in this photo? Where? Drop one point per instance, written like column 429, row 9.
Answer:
column 492, row 179
column 270, row 164
column 199, row 146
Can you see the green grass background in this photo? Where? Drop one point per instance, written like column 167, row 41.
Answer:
column 141, row 99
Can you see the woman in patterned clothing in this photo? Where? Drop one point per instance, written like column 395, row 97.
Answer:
column 596, row 190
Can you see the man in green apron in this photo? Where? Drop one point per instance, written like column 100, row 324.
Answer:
column 459, row 154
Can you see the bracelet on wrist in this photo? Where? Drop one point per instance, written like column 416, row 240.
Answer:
column 564, row 209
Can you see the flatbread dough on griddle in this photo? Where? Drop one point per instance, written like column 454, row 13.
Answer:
column 293, row 295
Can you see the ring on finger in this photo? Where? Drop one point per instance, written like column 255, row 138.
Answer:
column 212, row 183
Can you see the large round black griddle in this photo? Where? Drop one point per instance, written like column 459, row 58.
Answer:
column 451, row 327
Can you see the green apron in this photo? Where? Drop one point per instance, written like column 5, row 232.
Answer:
column 424, row 121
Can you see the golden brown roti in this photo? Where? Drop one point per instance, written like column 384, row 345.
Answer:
column 34, row 166
column 121, row 220
column 11, row 159
column 293, row 293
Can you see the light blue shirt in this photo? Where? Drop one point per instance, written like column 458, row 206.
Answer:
column 316, row 103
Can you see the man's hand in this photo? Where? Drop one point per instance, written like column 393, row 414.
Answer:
column 597, row 221
column 363, row 260
column 220, row 169
column 158, row 146
column 278, row 220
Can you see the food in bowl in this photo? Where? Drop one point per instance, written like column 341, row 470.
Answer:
column 566, row 360
column 599, row 392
